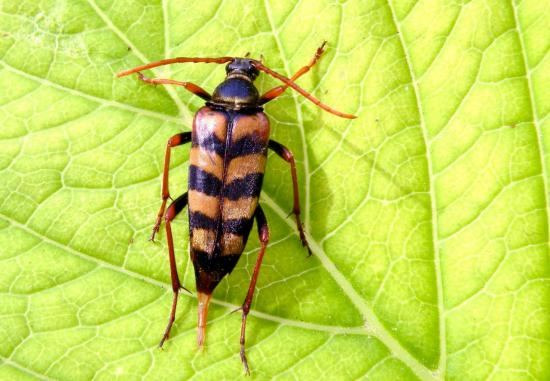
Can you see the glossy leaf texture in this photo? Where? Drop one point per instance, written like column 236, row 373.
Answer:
column 427, row 215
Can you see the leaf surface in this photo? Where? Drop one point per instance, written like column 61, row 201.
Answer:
column 427, row 215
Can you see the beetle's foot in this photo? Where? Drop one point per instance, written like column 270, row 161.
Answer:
column 304, row 242
column 164, row 338
column 303, row 238
column 244, row 361
column 321, row 49
column 152, row 237
column 156, row 229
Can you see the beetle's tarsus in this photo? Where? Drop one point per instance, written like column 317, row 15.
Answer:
column 156, row 229
column 164, row 338
column 161, row 213
column 321, row 49
column 244, row 361
column 309, row 253
column 305, row 243
column 303, row 238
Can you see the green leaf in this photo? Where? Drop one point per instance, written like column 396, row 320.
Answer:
column 427, row 215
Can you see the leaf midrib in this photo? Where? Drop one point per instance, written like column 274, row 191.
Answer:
column 534, row 114
column 433, row 207
column 299, row 116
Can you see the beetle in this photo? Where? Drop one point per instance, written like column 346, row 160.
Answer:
column 229, row 144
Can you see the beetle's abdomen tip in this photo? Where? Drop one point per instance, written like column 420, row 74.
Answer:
column 204, row 301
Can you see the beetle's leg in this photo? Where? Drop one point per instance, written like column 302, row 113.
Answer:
column 174, row 141
column 195, row 89
column 276, row 91
column 172, row 211
column 263, row 233
column 286, row 155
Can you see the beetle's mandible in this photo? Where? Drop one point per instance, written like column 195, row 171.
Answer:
column 229, row 143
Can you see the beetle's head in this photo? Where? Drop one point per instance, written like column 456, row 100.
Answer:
column 242, row 67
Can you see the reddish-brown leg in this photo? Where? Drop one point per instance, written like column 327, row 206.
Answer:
column 286, row 155
column 174, row 141
column 172, row 211
column 276, row 91
column 263, row 232
column 195, row 89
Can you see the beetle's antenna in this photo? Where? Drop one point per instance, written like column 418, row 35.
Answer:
column 169, row 61
column 304, row 93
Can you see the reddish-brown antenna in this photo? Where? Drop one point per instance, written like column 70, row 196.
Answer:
column 256, row 63
column 169, row 61
column 293, row 85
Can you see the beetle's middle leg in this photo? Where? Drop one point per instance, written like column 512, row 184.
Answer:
column 287, row 156
column 263, row 233
column 174, row 141
column 276, row 91
column 171, row 213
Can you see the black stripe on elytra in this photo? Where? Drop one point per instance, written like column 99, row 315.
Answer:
column 209, row 143
column 222, row 264
column 248, row 186
column 203, row 181
column 197, row 220
column 238, row 226
column 247, row 145
column 210, row 269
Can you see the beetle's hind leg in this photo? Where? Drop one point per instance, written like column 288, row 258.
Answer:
column 195, row 89
column 263, row 233
column 172, row 211
column 276, row 91
column 287, row 156
column 174, row 141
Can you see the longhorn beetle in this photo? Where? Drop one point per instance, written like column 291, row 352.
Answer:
column 229, row 142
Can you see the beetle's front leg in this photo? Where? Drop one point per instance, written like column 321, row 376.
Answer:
column 276, row 91
column 195, row 89
column 287, row 156
column 174, row 141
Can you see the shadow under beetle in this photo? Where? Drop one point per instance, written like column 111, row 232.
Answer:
column 230, row 139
